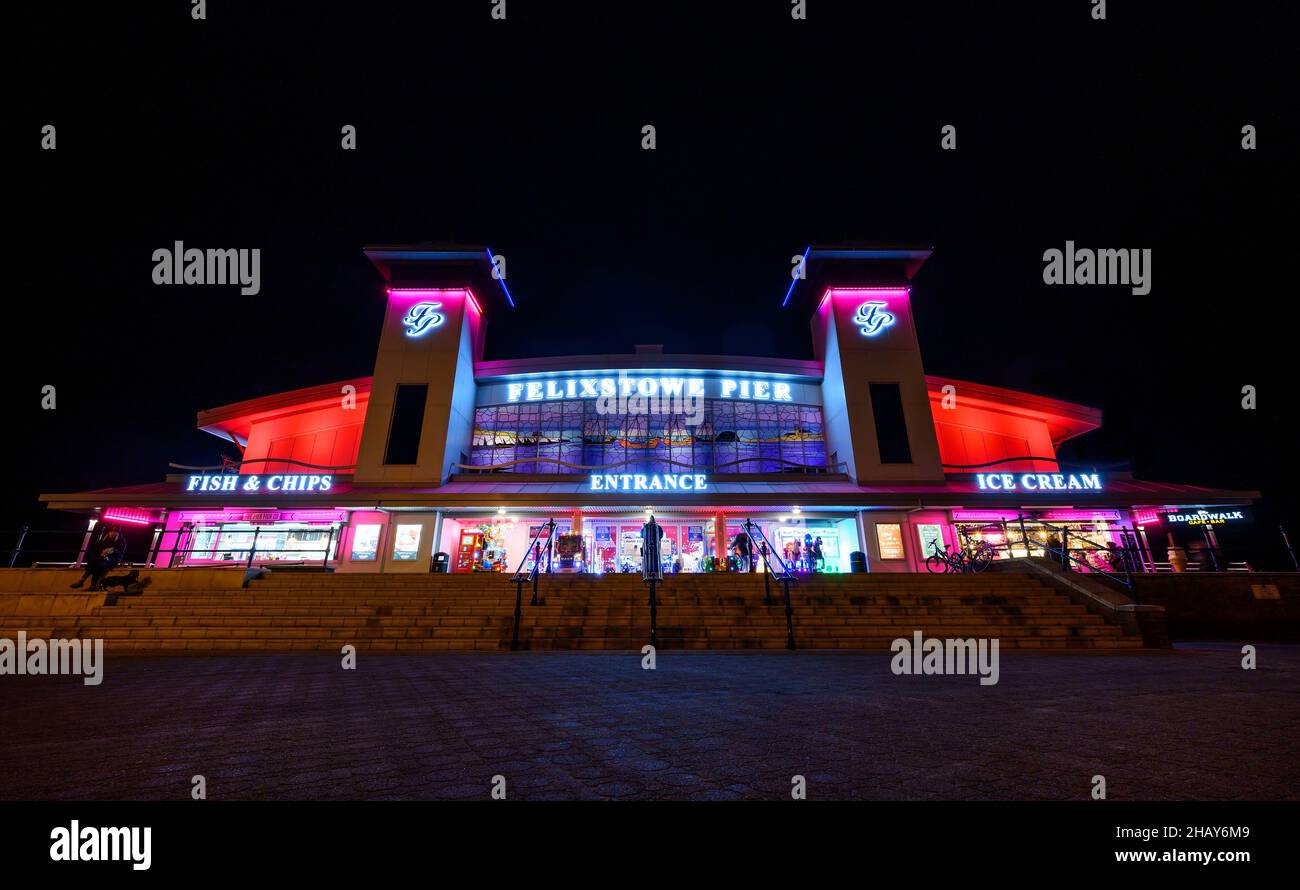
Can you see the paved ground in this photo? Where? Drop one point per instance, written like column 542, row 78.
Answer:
column 1185, row 725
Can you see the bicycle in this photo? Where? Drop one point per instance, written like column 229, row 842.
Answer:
column 944, row 561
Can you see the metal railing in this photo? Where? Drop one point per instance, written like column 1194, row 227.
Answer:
column 786, row 577
column 1120, row 562
column 518, row 579
column 83, row 545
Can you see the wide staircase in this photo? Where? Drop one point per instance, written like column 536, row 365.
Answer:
column 208, row 611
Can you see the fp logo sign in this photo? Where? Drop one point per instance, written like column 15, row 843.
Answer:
column 873, row 318
column 421, row 317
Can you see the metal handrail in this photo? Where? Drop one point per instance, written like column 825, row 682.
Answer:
column 549, row 524
column 1063, row 554
column 785, row 578
column 519, row 581
column 786, row 570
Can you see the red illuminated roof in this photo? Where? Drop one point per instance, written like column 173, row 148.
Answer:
column 1064, row 420
column 233, row 422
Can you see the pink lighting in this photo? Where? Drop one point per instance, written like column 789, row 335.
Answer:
column 416, row 293
column 128, row 515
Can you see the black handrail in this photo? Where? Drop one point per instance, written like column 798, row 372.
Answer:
column 787, row 575
column 519, row 581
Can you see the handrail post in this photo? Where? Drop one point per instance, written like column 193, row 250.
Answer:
column 1209, row 547
column 789, row 614
column 325, row 563
column 1024, row 536
column 550, row 545
column 654, row 616
column 1286, row 542
column 252, row 550
column 767, row 584
column 519, row 610
column 18, row 545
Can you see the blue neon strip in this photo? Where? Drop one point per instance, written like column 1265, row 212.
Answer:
column 795, row 281
column 501, row 281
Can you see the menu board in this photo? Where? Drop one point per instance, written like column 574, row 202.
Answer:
column 365, row 542
column 406, row 543
column 930, row 534
column 889, row 535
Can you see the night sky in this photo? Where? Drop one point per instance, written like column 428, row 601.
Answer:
column 772, row 134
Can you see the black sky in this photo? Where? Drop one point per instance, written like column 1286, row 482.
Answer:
column 772, row 133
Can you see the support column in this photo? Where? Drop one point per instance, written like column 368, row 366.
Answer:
column 85, row 542
column 861, row 522
column 720, row 540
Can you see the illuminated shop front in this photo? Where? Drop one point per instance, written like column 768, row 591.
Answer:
column 849, row 459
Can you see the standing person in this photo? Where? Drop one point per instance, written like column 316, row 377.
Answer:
column 815, row 555
column 651, row 534
column 741, row 546
column 109, row 552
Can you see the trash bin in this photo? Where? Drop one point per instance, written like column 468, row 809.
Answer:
column 857, row 561
column 440, row 561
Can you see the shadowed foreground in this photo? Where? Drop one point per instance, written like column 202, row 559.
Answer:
column 1188, row 725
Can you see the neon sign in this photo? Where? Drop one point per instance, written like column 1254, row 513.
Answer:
column 649, row 482
column 421, row 318
column 1038, row 482
column 257, row 483
column 1205, row 517
column 873, row 318
column 623, row 386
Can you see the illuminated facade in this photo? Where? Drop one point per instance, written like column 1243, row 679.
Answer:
column 440, row 451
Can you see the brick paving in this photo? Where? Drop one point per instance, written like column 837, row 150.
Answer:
column 1187, row 725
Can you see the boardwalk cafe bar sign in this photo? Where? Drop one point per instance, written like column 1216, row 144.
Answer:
column 1206, row 517
column 257, row 483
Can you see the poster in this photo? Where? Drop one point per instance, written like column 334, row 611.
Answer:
column 930, row 534
column 365, row 542
column 889, row 536
column 406, row 543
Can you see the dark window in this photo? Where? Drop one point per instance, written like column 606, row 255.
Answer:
column 891, row 426
column 408, row 420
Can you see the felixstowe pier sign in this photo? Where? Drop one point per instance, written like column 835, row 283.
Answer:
column 626, row 386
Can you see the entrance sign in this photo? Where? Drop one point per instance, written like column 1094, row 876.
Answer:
column 257, row 483
column 649, row 482
column 1038, row 482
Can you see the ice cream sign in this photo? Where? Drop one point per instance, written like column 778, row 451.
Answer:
column 1038, row 482
column 257, row 483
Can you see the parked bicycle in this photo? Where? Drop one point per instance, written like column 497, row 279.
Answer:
column 964, row 559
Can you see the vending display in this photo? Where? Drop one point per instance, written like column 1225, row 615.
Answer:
column 470, row 552
column 569, row 554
